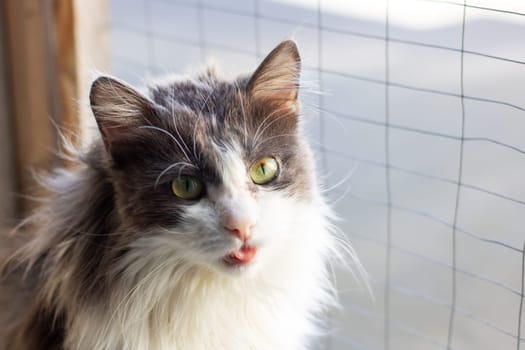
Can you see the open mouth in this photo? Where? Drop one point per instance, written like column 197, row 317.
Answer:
column 242, row 256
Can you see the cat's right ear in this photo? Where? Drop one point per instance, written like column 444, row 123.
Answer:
column 119, row 109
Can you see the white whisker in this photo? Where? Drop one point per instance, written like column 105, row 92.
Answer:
column 347, row 177
column 172, row 92
column 243, row 114
column 199, row 116
column 151, row 127
column 184, row 164
column 262, row 127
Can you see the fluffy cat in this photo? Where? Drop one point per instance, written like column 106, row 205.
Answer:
column 195, row 222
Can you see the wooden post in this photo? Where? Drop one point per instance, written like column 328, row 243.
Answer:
column 34, row 136
column 93, row 55
column 82, row 29
column 7, row 178
column 65, row 57
column 48, row 44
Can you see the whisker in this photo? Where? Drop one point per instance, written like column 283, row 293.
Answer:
column 243, row 114
column 172, row 92
column 347, row 177
column 199, row 115
column 271, row 138
column 352, row 263
column 185, row 164
column 169, row 134
column 261, row 130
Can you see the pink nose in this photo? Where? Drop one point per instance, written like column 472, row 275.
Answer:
column 240, row 227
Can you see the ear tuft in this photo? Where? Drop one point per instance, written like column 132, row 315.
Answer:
column 276, row 80
column 118, row 108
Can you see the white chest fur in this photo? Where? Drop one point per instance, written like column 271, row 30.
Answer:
column 193, row 308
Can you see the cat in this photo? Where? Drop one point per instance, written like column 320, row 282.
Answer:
column 196, row 221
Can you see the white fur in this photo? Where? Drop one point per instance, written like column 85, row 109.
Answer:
column 174, row 293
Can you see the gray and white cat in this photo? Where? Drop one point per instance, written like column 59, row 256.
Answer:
column 195, row 222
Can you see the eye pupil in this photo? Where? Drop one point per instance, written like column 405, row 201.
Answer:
column 186, row 187
column 264, row 171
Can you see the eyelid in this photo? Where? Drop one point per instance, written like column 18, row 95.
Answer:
column 167, row 175
column 261, row 157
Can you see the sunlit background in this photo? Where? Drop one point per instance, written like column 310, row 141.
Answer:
column 445, row 262
column 416, row 111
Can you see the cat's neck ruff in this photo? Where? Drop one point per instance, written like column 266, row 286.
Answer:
column 176, row 306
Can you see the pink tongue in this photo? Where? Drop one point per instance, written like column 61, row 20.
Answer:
column 245, row 254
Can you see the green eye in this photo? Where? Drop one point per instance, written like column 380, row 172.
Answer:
column 264, row 170
column 186, row 187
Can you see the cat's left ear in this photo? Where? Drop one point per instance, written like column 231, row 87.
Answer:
column 276, row 80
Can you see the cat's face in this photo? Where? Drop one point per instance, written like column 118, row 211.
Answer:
column 210, row 172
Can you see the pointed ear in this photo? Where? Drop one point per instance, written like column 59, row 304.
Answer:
column 119, row 109
column 276, row 80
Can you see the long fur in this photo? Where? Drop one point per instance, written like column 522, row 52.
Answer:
column 99, row 270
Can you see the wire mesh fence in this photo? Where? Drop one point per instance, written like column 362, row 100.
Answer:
column 423, row 99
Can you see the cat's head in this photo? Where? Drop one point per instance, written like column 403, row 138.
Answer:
column 207, row 171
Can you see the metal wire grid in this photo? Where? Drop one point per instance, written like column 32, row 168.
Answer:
column 390, row 324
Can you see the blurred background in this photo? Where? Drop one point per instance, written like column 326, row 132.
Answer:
column 415, row 109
